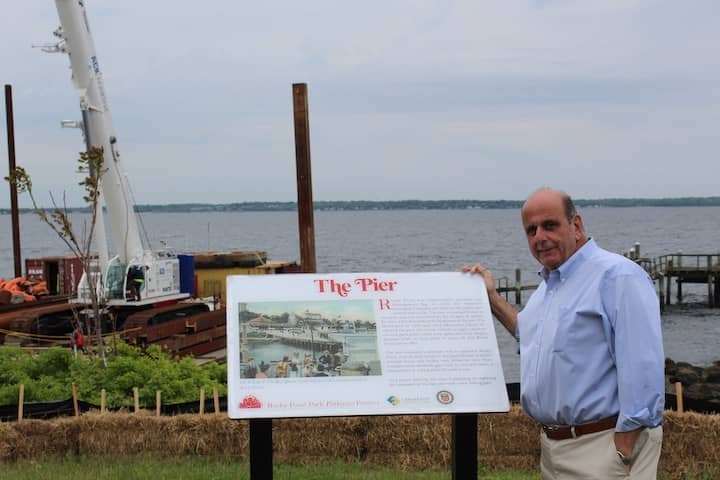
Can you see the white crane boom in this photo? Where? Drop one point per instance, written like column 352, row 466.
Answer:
column 159, row 274
column 88, row 82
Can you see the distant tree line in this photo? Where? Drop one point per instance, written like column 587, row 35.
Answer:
column 408, row 205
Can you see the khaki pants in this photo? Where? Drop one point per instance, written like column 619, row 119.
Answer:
column 594, row 456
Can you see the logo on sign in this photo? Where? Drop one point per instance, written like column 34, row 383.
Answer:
column 445, row 397
column 393, row 400
column 250, row 401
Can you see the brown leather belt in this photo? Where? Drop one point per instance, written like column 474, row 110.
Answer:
column 562, row 432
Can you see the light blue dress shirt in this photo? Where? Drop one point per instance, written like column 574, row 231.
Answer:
column 591, row 344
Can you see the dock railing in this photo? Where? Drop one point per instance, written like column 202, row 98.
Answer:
column 504, row 287
column 689, row 261
column 685, row 268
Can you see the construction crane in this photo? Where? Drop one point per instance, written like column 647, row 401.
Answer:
column 135, row 275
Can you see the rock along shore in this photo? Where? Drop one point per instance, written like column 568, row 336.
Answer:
column 699, row 383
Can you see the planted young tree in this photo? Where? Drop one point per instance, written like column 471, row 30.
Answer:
column 91, row 167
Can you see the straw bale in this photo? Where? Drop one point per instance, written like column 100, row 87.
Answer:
column 38, row 438
column 508, row 440
column 691, row 445
column 320, row 440
column 8, row 441
column 137, row 434
column 409, row 441
column 504, row 440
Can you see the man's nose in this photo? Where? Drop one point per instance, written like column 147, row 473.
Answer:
column 540, row 234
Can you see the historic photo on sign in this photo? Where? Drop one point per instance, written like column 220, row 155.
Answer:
column 308, row 339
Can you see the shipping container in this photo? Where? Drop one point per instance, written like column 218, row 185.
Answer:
column 211, row 281
column 62, row 274
column 213, row 268
column 187, row 274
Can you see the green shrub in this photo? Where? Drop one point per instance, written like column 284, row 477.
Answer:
column 48, row 376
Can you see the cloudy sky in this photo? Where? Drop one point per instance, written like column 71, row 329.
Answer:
column 417, row 99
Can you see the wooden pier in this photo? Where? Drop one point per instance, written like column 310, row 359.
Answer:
column 684, row 268
column 504, row 287
column 315, row 342
column 681, row 267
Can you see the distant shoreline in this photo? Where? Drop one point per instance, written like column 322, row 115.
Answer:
column 361, row 205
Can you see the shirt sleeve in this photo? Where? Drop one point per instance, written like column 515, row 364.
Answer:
column 634, row 314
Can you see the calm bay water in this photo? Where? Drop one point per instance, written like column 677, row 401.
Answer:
column 434, row 240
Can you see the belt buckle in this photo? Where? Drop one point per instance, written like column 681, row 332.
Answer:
column 557, row 428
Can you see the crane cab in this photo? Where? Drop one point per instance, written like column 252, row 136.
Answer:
column 143, row 281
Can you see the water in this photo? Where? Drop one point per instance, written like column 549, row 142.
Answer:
column 434, row 240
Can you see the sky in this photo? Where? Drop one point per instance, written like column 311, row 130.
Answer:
column 419, row 99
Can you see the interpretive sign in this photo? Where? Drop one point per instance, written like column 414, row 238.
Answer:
column 361, row 344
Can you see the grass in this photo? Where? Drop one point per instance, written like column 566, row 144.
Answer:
column 202, row 468
column 148, row 468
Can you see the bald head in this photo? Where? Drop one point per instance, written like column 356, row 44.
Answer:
column 553, row 228
column 549, row 193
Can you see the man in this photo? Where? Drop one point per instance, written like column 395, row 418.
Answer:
column 591, row 354
column 135, row 280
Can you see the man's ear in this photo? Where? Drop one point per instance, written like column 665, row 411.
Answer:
column 579, row 228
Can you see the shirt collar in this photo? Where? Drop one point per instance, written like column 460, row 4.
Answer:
column 571, row 264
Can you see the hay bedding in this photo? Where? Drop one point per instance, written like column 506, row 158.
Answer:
column 127, row 434
column 691, row 445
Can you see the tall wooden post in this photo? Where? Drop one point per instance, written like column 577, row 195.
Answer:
column 679, row 396
column 304, row 178
column 136, row 399
column 518, row 286
column 21, row 402
column 76, row 407
column 15, row 215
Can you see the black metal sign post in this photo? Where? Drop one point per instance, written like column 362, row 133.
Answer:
column 464, row 446
column 261, row 449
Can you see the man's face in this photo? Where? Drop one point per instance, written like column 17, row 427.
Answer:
column 551, row 237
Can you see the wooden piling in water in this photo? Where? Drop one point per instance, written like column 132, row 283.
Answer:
column 661, row 291
column 668, row 285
